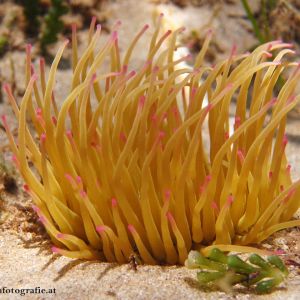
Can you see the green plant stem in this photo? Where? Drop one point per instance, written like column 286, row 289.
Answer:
column 253, row 21
column 53, row 23
column 264, row 12
column 227, row 270
column 31, row 12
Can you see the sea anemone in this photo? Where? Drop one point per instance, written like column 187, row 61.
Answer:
column 126, row 165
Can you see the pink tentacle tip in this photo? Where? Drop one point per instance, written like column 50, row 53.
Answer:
column 98, row 27
column 291, row 99
column 273, row 102
column 208, row 178
column 193, row 91
column 240, row 153
column 34, row 77
column 4, row 120
column 146, row 26
column 168, row 32
column 69, row 177
column 167, row 194
column 94, row 76
column 269, row 47
column 285, row 140
column 132, row 74
column 124, row 69
column 6, row 87
column 32, row 68
column 28, row 48
column 54, row 249
column 142, row 101
column 83, row 194
column 170, row 217
column 209, row 32
column 114, row 35
column 226, row 135
column 148, row 63
column 229, row 200
column 288, row 45
column 154, row 118
column 161, row 135
column 66, row 42
column 241, row 156
column 35, row 208
column 279, row 252
column 101, row 228
column 201, row 189
column 54, row 120
column 196, row 71
column 118, row 23
column 26, row 188
column 237, row 121
column 229, row 86
column 43, row 137
column 123, row 137
column 288, row 168
column 42, row 219
column 15, row 159
column 270, row 174
column 175, row 110
column 131, row 228
column 291, row 193
column 188, row 57
column 171, row 91
column 267, row 54
column 114, row 202
column 209, row 107
column 74, row 27
column 69, row 134
column 276, row 63
column 233, row 50
column 39, row 111
column 60, row 235
column 155, row 69
column 215, row 206
column 78, row 179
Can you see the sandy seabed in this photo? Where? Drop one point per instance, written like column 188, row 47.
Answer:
column 26, row 262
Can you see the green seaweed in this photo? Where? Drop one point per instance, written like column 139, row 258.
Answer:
column 53, row 23
column 32, row 12
column 222, row 270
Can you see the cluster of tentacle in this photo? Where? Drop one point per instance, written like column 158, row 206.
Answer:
column 123, row 165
